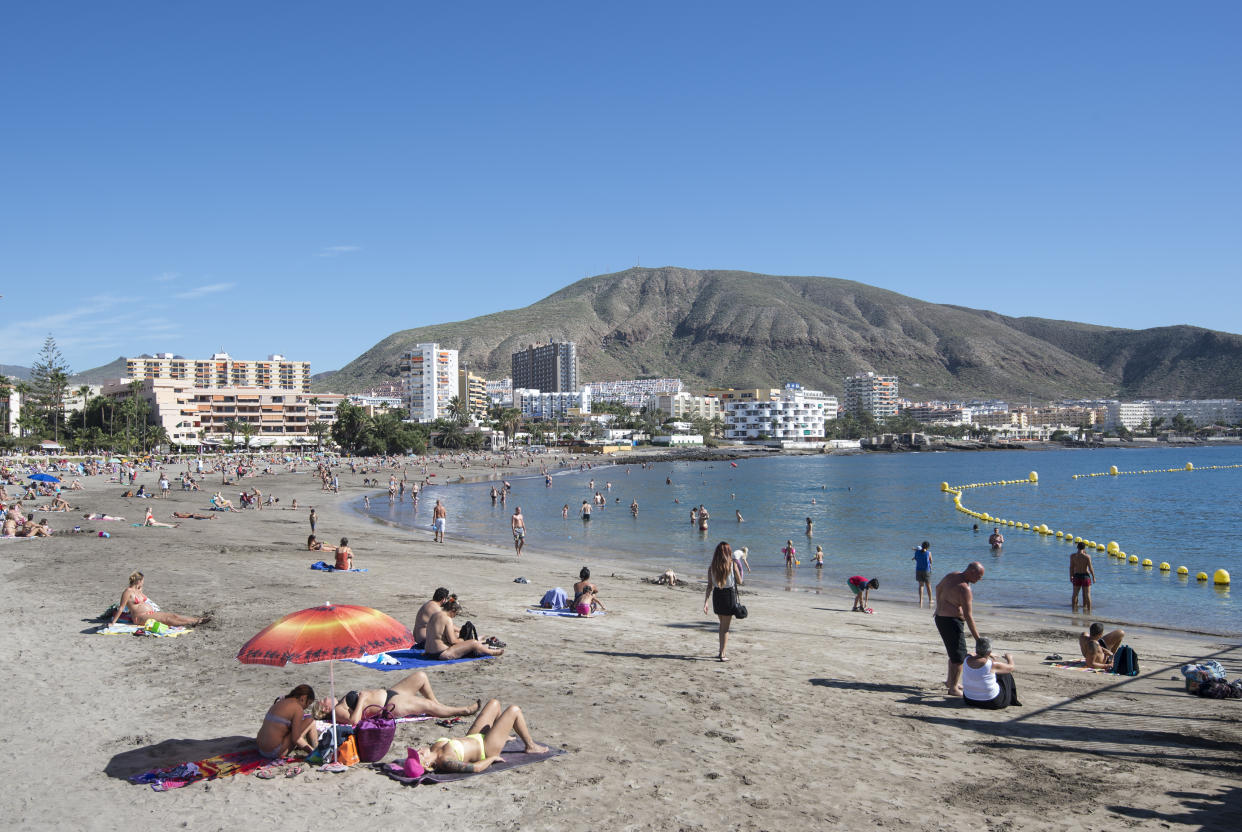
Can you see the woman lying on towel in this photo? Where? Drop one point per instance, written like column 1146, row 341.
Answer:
column 483, row 742
column 288, row 725
column 141, row 608
column 412, row 696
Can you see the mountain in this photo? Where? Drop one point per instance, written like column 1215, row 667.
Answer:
column 741, row 329
column 98, row 375
column 13, row 371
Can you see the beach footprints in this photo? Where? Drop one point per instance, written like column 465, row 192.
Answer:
column 729, row 738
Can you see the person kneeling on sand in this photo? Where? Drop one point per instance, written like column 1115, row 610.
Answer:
column 443, row 643
column 987, row 682
column 412, row 696
column 482, row 744
column 287, row 725
column 141, row 608
column 1098, row 648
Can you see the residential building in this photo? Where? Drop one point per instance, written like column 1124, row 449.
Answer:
column 549, row 368
column 934, row 413
column 430, row 381
column 199, row 416
column 539, row 406
column 221, row 370
column 754, row 394
column 634, row 393
column 1000, row 419
column 10, row 411
column 686, row 406
column 796, row 415
column 1133, row 415
column 500, row 392
column 472, row 391
column 871, row 393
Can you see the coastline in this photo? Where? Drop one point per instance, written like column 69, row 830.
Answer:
column 658, row 735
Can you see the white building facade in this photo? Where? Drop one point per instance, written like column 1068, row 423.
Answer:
column 686, row 406
column 222, row 370
column 549, row 407
column 1133, row 415
column 871, row 393
column 431, row 381
column 797, row 415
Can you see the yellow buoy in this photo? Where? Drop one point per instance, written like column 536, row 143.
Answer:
column 1133, row 558
column 1100, row 547
column 1190, row 466
column 1181, row 570
column 1060, row 534
column 1147, row 563
column 1164, row 567
column 1076, row 539
column 1112, row 546
column 1112, row 469
column 1034, row 477
column 1202, row 576
column 944, row 486
column 1026, row 525
column 1220, row 578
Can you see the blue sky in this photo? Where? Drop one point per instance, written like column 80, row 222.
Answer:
column 308, row 178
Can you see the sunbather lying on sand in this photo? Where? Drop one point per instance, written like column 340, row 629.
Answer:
column 286, row 725
column 141, row 608
column 185, row 516
column 412, row 696
column 102, row 517
column 481, row 745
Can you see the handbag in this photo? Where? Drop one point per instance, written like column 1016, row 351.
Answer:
column 739, row 609
column 374, row 734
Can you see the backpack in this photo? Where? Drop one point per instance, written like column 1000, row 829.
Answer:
column 468, row 631
column 1125, row 661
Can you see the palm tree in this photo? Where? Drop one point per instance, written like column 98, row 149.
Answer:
column 234, row 428
column 509, row 420
column 248, row 431
column 318, row 429
column 85, row 393
column 458, row 411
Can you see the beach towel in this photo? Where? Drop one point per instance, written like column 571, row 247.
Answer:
column 554, row 599
column 1078, row 665
column 407, row 660
column 565, row 613
column 119, row 629
column 327, row 567
column 513, row 755
column 245, row 761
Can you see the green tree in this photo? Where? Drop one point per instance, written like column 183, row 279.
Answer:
column 351, row 424
column 49, row 378
column 318, row 429
column 509, row 420
column 233, row 427
column 248, row 430
column 459, row 411
column 84, row 393
column 1182, row 425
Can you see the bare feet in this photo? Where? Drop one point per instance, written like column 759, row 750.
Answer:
column 535, row 748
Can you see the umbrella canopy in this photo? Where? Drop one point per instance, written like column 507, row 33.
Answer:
column 333, row 631
column 44, row 478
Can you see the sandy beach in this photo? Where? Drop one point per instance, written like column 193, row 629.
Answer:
column 822, row 718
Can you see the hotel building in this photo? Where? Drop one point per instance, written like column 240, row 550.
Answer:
column 797, row 415
column 687, row 406
column 221, row 370
column 634, row 393
column 549, row 368
column 472, row 390
column 548, row 407
column 430, row 381
column 869, row 393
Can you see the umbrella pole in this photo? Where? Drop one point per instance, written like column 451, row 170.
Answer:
column 332, row 686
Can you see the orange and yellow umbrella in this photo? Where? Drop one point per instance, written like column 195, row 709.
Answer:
column 332, row 631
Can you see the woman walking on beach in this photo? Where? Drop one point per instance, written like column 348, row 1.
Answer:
column 724, row 576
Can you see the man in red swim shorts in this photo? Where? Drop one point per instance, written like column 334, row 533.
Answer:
column 1082, row 576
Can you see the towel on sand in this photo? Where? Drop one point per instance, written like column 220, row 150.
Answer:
column 1079, row 665
column 130, row 629
column 406, row 660
column 327, row 567
column 222, row 765
column 512, row 753
column 563, row 613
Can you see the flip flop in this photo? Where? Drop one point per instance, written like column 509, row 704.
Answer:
column 294, row 771
column 1055, row 657
column 267, row 773
column 447, row 723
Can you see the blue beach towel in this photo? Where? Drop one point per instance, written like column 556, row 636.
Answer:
column 565, row 613
column 327, row 567
column 411, row 660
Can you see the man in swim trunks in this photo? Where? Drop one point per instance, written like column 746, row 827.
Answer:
column 996, row 539
column 1082, row 576
column 439, row 517
column 427, row 611
column 1098, row 648
column 953, row 614
column 517, row 524
column 922, row 571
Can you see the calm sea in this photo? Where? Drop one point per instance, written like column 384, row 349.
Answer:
column 870, row 511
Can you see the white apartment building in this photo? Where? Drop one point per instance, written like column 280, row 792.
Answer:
column 634, row 393
column 797, row 415
column 430, row 381
column 499, row 391
column 1132, row 415
column 686, row 406
column 549, row 407
column 938, row 414
column 221, row 370
column 870, row 393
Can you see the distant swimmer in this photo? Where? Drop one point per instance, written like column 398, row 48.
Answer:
column 565, row 512
column 810, row 526
column 703, row 518
column 586, row 510
column 996, row 539
column 819, row 557
column 668, row 481
column 634, row 508
column 740, row 519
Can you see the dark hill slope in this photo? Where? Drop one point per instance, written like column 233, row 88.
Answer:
column 744, row 329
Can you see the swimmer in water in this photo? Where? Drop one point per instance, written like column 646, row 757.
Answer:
column 819, row 557
column 740, row 519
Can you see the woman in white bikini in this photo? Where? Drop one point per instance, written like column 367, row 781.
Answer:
column 483, row 742
column 141, row 608
column 288, row 724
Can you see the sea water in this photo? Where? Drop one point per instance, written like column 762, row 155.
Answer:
column 870, row 511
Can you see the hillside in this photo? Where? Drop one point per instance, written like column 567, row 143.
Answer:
column 14, row 371
column 745, row 330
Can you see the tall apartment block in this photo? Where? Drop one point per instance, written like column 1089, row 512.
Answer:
column 550, row 368
column 869, row 393
column 430, row 381
column 221, row 370
column 472, row 390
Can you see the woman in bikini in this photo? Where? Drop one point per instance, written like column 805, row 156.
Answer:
column 412, row 696
column 586, row 595
column 483, row 742
column 288, row 725
column 141, row 608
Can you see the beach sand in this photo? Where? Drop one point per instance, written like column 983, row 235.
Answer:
column 822, row 718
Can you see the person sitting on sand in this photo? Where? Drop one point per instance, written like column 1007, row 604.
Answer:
column 142, row 609
column 482, row 744
column 427, row 612
column 40, row 529
column 149, row 520
column 314, row 544
column 987, row 682
column 287, row 725
column 412, row 696
column 344, row 555
column 76, row 485
column 587, row 603
column 861, row 587
column 583, row 585
column 443, row 642
column 1098, row 648
column 187, row 516
column 222, row 504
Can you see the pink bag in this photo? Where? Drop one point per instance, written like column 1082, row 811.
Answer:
column 374, row 734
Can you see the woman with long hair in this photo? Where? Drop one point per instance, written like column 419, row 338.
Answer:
column 723, row 578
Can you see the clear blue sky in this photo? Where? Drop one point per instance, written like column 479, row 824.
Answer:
column 308, row 177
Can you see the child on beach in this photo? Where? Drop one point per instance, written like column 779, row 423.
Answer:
column 861, row 587
column 789, row 552
column 819, row 557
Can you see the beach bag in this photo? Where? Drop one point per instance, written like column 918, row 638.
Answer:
column 374, row 734
column 739, row 609
column 468, row 632
column 1220, row 690
column 1125, row 661
column 347, row 753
